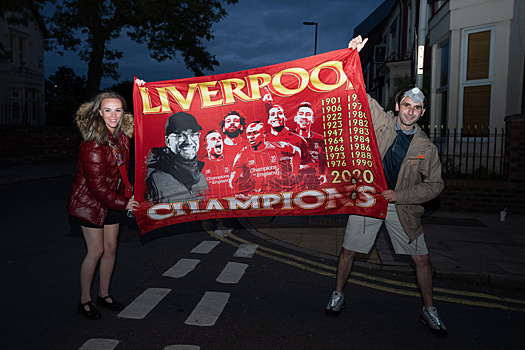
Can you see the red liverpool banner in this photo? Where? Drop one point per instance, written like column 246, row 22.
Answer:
column 290, row 139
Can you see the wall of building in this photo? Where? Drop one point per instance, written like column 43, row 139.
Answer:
column 516, row 64
column 448, row 24
column 22, row 77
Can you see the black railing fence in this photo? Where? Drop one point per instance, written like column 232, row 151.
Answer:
column 465, row 153
column 470, row 152
column 22, row 115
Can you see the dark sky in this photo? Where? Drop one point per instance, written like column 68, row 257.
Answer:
column 256, row 33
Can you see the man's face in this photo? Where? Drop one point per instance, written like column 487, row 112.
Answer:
column 409, row 113
column 276, row 117
column 214, row 144
column 184, row 143
column 232, row 123
column 255, row 134
column 304, row 118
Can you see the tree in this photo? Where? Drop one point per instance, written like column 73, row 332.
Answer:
column 167, row 27
column 64, row 93
column 125, row 88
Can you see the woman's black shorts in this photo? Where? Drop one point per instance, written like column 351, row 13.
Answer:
column 112, row 217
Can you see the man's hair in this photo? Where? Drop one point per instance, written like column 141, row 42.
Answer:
column 242, row 120
column 181, row 121
column 305, row 104
column 275, row 106
column 210, row 132
column 401, row 94
column 255, row 122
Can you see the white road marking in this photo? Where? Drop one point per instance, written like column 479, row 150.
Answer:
column 99, row 344
column 208, row 309
column 221, row 233
column 232, row 273
column 205, row 247
column 182, row 347
column 246, row 251
column 144, row 303
column 181, row 268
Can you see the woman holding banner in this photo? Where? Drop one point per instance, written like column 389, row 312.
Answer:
column 98, row 194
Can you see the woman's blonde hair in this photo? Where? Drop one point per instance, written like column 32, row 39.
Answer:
column 90, row 122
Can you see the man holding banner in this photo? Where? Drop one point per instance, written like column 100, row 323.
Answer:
column 413, row 172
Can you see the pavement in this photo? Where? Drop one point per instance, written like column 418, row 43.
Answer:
column 474, row 247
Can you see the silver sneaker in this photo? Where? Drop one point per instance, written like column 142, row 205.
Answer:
column 336, row 304
column 431, row 319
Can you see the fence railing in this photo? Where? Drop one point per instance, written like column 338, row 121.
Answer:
column 470, row 153
column 20, row 115
column 465, row 153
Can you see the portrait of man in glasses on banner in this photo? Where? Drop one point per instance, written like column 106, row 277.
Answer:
column 174, row 172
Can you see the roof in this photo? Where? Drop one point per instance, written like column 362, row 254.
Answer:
column 375, row 18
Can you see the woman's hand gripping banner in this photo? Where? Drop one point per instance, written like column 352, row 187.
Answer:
column 290, row 139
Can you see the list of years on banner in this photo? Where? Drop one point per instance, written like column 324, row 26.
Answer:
column 353, row 163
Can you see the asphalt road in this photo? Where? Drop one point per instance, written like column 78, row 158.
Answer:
column 205, row 286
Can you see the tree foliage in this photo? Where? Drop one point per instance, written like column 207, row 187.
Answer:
column 125, row 88
column 167, row 27
column 64, row 94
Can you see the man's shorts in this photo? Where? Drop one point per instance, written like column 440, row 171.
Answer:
column 361, row 233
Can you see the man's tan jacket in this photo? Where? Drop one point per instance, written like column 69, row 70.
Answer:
column 419, row 178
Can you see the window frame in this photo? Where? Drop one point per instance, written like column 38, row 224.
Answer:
column 464, row 82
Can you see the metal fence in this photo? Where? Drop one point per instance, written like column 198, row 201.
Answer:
column 465, row 153
column 20, row 115
column 470, row 153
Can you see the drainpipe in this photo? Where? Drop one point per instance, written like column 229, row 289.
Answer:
column 421, row 35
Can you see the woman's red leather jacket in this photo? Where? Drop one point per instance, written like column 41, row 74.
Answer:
column 97, row 186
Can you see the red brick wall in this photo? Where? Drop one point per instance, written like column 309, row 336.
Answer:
column 485, row 196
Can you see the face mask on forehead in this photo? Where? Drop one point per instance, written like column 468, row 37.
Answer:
column 415, row 94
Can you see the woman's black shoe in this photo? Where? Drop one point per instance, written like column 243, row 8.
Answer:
column 114, row 305
column 91, row 314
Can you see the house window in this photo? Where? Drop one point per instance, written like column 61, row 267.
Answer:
column 21, row 52
column 17, row 50
column 16, row 111
column 476, row 86
column 15, row 94
column 442, row 85
column 11, row 49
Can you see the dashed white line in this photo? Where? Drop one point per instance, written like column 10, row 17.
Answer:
column 209, row 309
column 99, row 344
column 222, row 232
column 232, row 273
column 144, row 303
column 205, row 247
column 181, row 268
column 246, row 251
